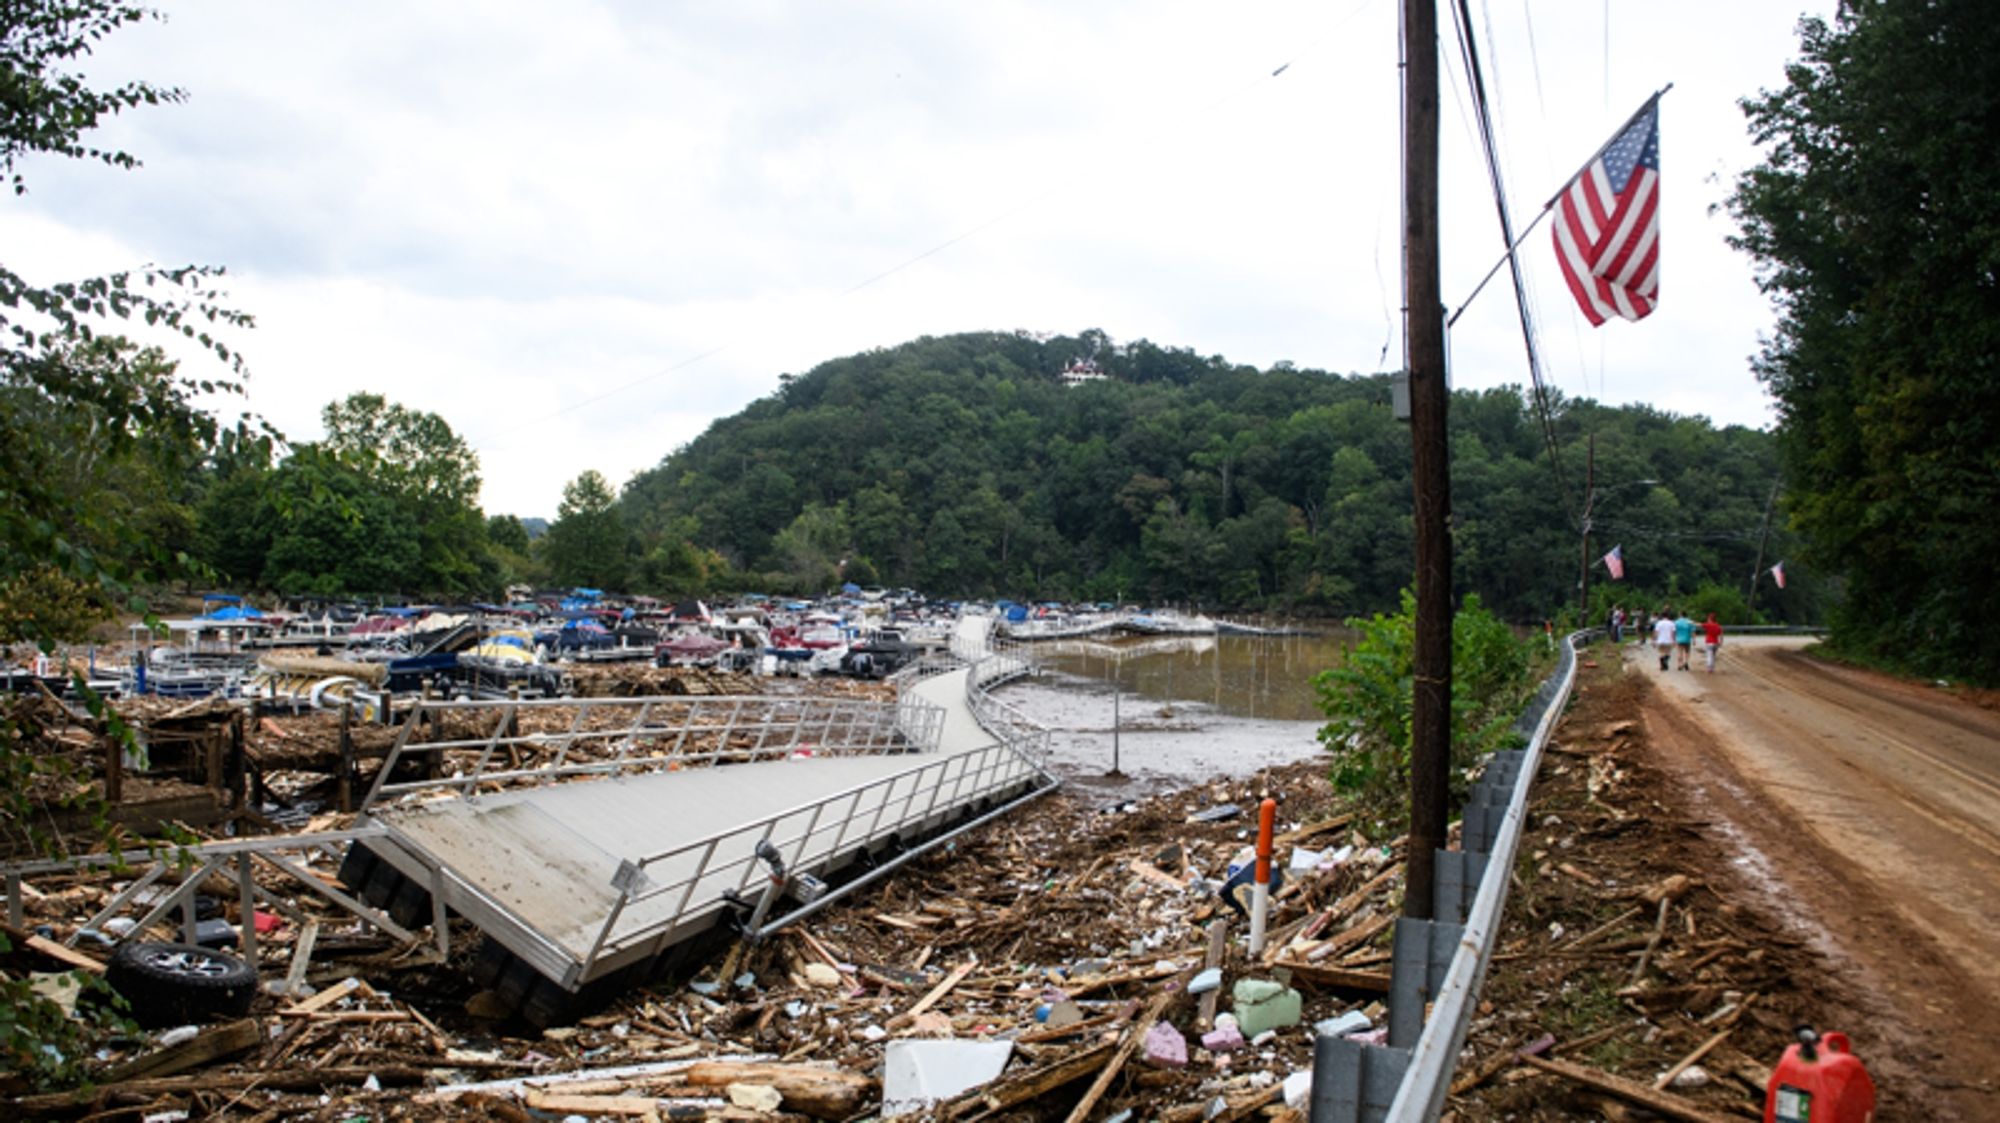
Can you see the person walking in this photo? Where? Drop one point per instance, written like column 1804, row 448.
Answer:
column 1711, row 637
column 1663, row 635
column 1683, row 639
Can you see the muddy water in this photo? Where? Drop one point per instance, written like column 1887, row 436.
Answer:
column 1176, row 712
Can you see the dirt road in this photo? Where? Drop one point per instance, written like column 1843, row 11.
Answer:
column 1868, row 810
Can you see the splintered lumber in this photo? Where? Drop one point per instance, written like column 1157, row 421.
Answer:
column 69, row 957
column 1339, row 978
column 1353, row 937
column 1234, row 1107
column 212, row 1044
column 1686, row 1062
column 1602, row 929
column 303, row 1079
column 1090, row 984
column 957, row 976
column 1631, row 1091
column 1075, row 1029
column 823, row 1093
column 1218, row 940
column 1311, row 829
column 324, row 998
column 573, row 1103
column 1038, row 1082
column 1652, row 945
column 1133, row 1037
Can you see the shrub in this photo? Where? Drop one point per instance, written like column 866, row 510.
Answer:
column 1367, row 703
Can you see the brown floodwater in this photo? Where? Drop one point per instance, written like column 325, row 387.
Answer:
column 1176, row 712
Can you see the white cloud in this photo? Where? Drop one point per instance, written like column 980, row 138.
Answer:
column 533, row 219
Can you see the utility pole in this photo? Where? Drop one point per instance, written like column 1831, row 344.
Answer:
column 1424, row 356
column 1583, row 570
column 1763, row 539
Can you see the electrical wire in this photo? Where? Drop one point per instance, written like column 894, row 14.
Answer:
column 1462, row 21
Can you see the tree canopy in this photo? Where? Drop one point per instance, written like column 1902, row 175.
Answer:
column 1875, row 223
column 964, row 465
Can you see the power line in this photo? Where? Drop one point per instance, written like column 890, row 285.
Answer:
column 1462, row 20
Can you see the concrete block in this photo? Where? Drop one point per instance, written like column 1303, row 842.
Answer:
column 1222, row 1040
column 1165, row 1046
column 1262, row 1005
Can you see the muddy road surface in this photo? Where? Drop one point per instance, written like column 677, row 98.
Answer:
column 1867, row 811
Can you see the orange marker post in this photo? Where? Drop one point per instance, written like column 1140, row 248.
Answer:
column 1260, row 887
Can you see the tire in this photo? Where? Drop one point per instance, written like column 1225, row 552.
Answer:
column 356, row 866
column 548, row 1005
column 410, row 906
column 174, row 984
column 383, row 882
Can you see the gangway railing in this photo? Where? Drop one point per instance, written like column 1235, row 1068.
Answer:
column 669, row 886
column 606, row 737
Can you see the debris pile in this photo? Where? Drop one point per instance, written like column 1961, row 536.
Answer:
column 1065, row 959
column 1623, row 978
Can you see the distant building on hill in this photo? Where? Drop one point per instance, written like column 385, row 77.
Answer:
column 1080, row 371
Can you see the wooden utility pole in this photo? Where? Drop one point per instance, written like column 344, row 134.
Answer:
column 1424, row 356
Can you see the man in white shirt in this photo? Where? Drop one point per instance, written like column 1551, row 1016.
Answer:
column 1663, row 636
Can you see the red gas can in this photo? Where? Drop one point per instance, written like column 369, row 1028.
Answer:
column 1820, row 1080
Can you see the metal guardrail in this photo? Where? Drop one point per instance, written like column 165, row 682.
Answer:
column 626, row 736
column 1439, row 964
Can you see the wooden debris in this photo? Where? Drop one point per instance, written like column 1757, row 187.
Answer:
column 823, row 1093
column 1038, row 1082
column 212, row 1044
column 1631, row 1091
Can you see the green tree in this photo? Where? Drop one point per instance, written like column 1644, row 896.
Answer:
column 335, row 531
column 506, row 532
column 432, row 472
column 1875, row 224
column 82, row 547
column 586, row 543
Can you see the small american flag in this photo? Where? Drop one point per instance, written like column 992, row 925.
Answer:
column 1615, row 562
column 1607, row 230
column 1778, row 574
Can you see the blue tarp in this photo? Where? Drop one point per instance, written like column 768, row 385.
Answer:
column 1016, row 613
column 233, row 612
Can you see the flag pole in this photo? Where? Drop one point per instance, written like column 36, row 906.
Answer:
column 1550, row 205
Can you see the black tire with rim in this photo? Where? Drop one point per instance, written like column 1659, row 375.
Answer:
column 173, row 984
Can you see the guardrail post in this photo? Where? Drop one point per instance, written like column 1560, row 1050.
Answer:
column 1422, row 954
column 1353, row 1082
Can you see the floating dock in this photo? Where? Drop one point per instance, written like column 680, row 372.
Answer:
column 599, row 850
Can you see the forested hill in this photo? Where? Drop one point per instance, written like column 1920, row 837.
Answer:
column 965, row 465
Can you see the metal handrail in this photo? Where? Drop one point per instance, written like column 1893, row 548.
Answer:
column 774, row 727
column 1019, row 751
column 992, row 764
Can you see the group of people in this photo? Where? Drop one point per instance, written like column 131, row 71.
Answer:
column 1673, row 636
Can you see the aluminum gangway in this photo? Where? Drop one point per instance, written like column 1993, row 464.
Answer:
column 602, row 847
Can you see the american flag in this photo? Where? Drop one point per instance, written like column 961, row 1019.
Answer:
column 1615, row 562
column 1778, row 574
column 1607, row 230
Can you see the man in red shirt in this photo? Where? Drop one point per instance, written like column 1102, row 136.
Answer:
column 1711, row 635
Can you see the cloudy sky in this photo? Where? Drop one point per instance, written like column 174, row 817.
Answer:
column 581, row 232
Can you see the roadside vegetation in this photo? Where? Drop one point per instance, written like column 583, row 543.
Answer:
column 1367, row 702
